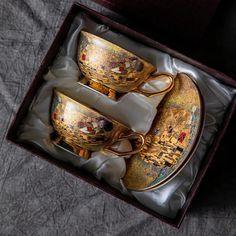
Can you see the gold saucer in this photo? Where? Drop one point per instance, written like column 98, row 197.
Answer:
column 172, row 139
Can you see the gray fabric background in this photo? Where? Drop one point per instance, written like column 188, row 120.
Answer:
column 37, row 198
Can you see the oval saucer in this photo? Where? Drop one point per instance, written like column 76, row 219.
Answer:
column 171, row 141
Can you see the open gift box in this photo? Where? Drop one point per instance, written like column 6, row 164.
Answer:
column 206, row 78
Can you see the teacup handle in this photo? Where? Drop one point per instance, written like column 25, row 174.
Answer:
column 166, row 79
column 124, row 137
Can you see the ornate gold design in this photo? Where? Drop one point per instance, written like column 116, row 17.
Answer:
column 171, row 140
column 116, row 68
column 84, row 129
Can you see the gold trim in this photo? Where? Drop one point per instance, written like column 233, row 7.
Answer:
column 195, row 145
column 114, row 67
column 67, row 133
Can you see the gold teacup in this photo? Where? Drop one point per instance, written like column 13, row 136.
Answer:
column 109, row 65
column 85, row 130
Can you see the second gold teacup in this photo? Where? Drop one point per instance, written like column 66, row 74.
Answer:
column 109, row 65
column 85, row 129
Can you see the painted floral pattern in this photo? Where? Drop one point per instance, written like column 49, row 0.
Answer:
column 77, row 124
column 109, row 64
column 171, row 139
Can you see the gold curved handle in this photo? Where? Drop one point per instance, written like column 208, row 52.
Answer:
column 124, row 137
column 166, row 79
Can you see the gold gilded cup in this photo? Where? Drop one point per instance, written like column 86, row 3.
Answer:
column 85, row 130
column 106, row 64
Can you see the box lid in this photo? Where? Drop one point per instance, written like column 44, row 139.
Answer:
column 185, row 20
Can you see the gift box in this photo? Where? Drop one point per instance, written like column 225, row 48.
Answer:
column 121, row 28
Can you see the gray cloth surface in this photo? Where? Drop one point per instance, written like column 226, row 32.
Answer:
column 37, row 198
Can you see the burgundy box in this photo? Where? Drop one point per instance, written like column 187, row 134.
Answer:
column 183, row 20
column 52, row 52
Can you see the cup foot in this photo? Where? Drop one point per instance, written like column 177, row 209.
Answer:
column 81, row 152
column 112, row 94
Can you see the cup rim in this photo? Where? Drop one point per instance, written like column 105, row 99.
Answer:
column 84, row 32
